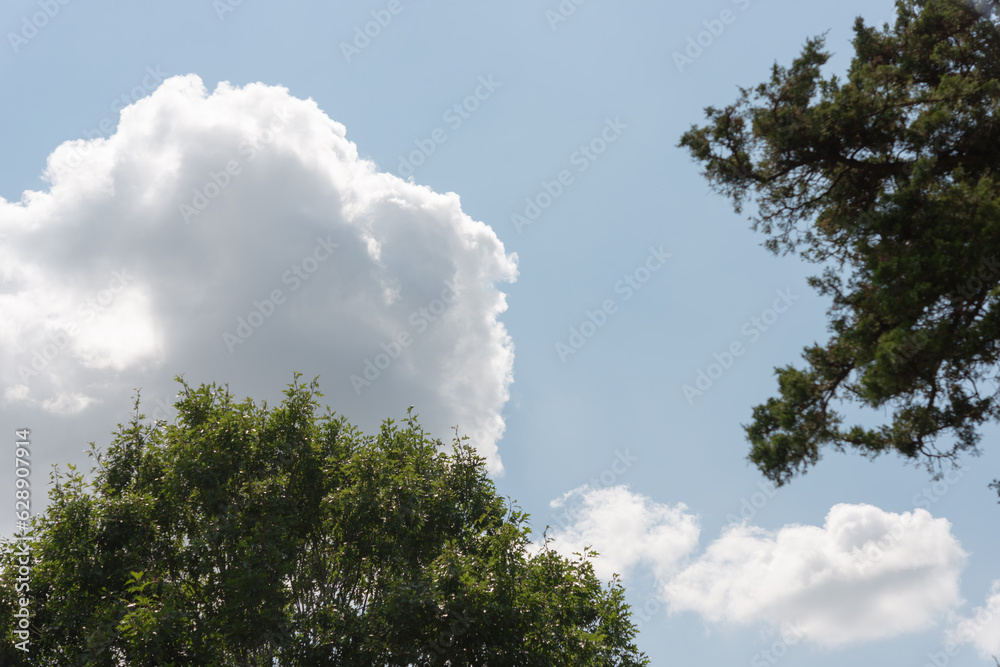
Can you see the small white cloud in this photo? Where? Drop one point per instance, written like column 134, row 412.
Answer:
column 865, row 574
column 628, row 529
column 982, row 628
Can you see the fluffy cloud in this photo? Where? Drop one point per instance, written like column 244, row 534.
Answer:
column 235, row 237
column 627, row 529
column 982, row 628
column 865, row 574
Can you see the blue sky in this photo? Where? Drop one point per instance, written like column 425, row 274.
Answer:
column 556, row 126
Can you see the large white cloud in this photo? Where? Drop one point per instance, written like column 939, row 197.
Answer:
column 627, row 529
column 865, row 574
column 982, row 627
column 235, row 237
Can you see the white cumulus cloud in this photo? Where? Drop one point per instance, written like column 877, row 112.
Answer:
column 237, row 236
column 982, row 628
column 865, row 574
column 627, row 529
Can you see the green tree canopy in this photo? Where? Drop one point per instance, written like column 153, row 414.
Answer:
column 243, row 535
column 890, row 180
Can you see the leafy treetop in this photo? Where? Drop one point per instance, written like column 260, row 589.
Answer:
column 243, row 535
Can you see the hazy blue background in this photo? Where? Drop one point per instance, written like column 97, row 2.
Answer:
column 557, row 87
